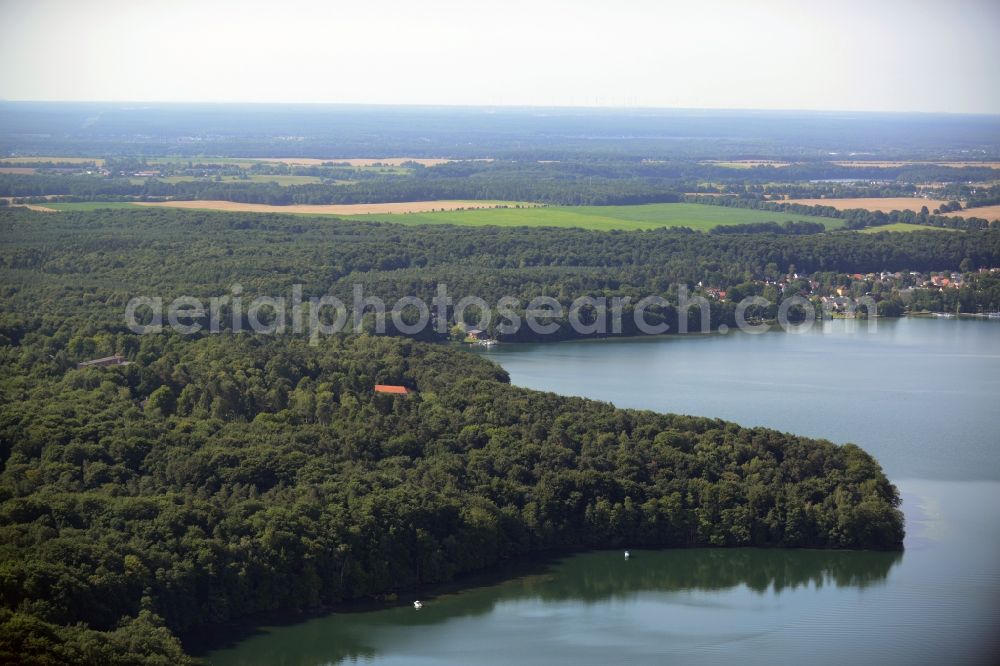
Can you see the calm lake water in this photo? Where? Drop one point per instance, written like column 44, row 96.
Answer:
column 923, row 396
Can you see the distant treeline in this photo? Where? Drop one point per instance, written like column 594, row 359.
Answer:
column 789, row 228
column 515, row 133
column 984, row 197
column 122, row 251
column 972, row 194
column 691, row 173
column 580, row 192
column 592, row 181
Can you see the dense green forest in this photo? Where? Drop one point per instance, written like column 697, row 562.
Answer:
column 550, row 189
column 217, row 476
column 222, row 476
column 576, row 181
column 89, row 264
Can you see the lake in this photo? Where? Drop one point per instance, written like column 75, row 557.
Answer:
column 923, row 396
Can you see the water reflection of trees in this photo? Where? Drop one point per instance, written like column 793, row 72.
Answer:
column 589, row 578
column 598, row 576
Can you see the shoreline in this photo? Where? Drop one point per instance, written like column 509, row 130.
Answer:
column 229, row 634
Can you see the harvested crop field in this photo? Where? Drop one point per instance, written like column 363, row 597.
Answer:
column 746, row 164
column 884, row 204
column 330, row 209
column 18, row 170
column 354, row 161
column 38, row 207
column 886, row 164
column 889, row 204
column 498, row 213
column 985, row 212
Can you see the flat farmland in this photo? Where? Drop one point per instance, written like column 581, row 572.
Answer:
column 353, row 161
column 746, row 164
column 607, row 218
column 888, row 164
column 884, row 204
column 361, row 211
column 985, row 212
column 498, row 213
column 889, row 204
column 242, row 162
column 345, row 210
column 184, row 160
column 39, row 207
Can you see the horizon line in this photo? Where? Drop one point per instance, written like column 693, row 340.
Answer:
column 456, row 106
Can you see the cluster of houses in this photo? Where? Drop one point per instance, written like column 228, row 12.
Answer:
column 837, row 296
column 889, row 281
column 954, row 281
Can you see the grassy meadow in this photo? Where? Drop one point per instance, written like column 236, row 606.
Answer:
column 603, row 218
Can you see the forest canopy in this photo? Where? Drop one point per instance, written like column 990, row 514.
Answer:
column 220, row 476
column 216, row 476
column 73, row 273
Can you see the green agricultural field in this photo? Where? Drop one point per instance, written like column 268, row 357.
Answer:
column 903, row 227
column 184, row 160
column 602, row 218
column 648, row 216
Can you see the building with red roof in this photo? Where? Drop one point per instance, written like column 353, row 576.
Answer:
column 391, row 388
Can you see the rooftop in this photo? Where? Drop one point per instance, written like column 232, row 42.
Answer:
column 391, row 388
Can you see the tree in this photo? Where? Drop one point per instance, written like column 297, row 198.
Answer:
column 161, row 402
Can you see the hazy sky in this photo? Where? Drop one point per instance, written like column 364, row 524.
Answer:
column 776, row 54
